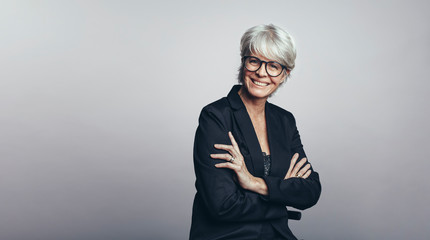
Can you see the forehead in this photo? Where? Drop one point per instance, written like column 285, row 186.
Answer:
column 264, row 58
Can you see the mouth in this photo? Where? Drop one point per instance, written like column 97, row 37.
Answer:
column 259, row 83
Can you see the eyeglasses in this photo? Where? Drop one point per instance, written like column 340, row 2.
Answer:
column 274, row 69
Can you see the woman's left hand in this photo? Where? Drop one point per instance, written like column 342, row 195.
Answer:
column 235, row 162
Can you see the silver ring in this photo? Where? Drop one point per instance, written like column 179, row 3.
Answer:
column 231, row 159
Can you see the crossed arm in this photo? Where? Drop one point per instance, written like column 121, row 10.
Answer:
column 235, row 161
column 237, row 195
column 293, row 190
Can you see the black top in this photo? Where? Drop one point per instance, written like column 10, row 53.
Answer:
column 267, row 161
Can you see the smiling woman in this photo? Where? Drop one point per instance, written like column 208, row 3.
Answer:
column 271, row 42
column 262, row 82
column 248, row 157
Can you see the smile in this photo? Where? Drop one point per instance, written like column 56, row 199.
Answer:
column 259, row 83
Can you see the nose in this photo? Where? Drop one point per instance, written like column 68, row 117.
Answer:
column 262, row 70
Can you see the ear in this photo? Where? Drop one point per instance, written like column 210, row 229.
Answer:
column 286, row 76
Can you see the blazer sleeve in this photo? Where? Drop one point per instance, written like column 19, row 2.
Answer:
column 295, row 192
column 217, row 187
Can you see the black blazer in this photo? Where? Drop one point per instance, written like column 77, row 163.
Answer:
column 222, row 209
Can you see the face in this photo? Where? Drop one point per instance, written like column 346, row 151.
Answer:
column 259, row 84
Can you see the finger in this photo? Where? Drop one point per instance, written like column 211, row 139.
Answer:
column 224, row 165
column 227, row 165
column 223, row 156
column 223, row 146
column 303, row 170
column 233, row 141
column 231, row 150
column 307, row 174
column 228, row 148
column 298, row 166
column 293, row 162
column 236, row 151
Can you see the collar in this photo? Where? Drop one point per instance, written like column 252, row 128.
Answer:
column 234, row 98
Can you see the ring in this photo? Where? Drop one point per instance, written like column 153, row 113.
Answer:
column 298, row 175
column 231, row 159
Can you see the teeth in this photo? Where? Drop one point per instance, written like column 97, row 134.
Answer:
column 260, row 83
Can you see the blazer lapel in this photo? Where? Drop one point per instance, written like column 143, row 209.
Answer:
column 277, row 141
column 248, row 132
column 244, row 122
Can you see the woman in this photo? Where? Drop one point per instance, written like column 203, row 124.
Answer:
column 248, row 157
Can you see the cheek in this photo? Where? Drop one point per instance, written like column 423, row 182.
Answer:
column 247, row 73
column 278, row 79
column 247, row 77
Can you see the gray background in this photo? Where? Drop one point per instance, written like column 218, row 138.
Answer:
column 99, row 104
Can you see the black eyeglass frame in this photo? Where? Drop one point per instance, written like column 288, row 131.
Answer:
column 261, row 63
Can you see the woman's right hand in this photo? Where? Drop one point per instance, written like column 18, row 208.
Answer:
column 296, row 170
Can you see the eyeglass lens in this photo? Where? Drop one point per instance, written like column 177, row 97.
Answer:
column 273, row 68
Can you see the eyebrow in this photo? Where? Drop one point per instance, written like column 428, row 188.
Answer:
column 269, row 61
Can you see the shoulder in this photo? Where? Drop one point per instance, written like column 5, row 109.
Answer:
column 219, row 105
column 218, row 108
column 215, row 112
column 281, row 113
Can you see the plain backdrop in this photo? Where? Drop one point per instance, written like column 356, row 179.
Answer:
column 93, row 93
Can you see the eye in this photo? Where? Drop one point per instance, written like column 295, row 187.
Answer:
column 253, row 61
column 274, row 66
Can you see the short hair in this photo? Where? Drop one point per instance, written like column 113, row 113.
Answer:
column 269, row 41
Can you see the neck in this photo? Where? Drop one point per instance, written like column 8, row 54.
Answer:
column 254, row 106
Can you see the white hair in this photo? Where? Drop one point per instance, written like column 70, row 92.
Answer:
column 269, row 41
